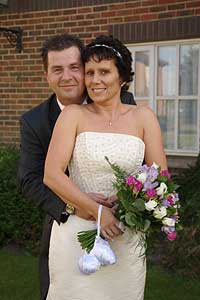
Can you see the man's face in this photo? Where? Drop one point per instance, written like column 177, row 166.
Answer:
column 65, row 75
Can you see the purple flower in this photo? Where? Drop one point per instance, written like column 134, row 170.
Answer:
column 152, row 173
column 151, row 193
column 165, row 173
column 148, row 185
column 165, row 203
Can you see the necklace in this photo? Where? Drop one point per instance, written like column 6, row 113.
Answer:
column 110, row 123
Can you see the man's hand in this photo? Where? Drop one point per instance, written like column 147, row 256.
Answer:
column 103, row 200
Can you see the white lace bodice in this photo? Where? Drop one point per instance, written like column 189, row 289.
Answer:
column 88, row 167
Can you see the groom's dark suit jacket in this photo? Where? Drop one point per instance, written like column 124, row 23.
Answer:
column 36, row 129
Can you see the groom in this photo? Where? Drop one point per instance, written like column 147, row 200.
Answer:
column 64, row 72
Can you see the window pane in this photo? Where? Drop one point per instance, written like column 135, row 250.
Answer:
column 142, row 73
column 166, row 117
column 166, row 71
column 187, row 126
column 189, row 63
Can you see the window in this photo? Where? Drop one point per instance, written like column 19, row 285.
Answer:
column 167, row 78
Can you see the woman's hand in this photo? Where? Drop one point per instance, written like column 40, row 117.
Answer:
column 109, row 224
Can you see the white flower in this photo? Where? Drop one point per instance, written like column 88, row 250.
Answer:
column 161, row 189
column 142, row 177
column 150, row 205
column 168, row 221
column 154, row 165
column 160, row 212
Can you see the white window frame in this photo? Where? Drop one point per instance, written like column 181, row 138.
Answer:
column 153, row 55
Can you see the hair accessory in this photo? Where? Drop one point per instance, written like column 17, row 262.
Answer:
column 108, row 47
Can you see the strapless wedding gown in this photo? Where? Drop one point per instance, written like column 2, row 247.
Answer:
column 88, row 168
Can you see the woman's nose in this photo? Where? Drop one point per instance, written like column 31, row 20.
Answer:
column 96, row 78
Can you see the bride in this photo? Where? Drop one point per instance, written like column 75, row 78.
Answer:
column 82, row 137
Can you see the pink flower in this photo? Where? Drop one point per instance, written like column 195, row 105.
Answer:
column 137, row 186
column 151, row 193
column 171, row 236
column 165, row 173
column 170, row 199
column 130, row 180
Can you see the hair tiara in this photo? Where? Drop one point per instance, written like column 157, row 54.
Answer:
column 108, row 47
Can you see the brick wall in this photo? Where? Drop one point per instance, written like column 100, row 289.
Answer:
column 22, row 84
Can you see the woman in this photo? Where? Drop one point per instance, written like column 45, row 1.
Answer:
column 82, row 137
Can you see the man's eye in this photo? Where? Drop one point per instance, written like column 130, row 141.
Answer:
column 75, row 68
column 57, row 71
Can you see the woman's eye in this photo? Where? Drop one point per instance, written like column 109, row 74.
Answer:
column 104, row 72
column 89, row 73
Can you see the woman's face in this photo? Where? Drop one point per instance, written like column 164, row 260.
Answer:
column 102, row 80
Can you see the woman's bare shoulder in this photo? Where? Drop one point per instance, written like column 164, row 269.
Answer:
column 145, row 112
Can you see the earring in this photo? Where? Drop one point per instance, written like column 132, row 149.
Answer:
column 123, row 83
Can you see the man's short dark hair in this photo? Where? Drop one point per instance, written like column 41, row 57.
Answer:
column 59, row 43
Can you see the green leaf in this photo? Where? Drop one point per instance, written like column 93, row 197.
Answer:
column 139, row 204
column 130, row 219
column 147, row 224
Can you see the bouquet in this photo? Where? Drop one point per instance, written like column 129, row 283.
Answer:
column 147, row 202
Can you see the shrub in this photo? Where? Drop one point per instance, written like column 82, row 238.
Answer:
column 183, row 255
column 20, row 221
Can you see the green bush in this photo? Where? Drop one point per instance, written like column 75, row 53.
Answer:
column 183, row 254
column 20, row 221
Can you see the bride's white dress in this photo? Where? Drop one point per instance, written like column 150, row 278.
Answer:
column 88, row 168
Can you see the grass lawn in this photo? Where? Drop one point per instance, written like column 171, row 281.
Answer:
column 18, row 281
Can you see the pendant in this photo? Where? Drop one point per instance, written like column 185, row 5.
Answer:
column 110, row 123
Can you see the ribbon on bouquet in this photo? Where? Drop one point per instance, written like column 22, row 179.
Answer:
column 100, row 255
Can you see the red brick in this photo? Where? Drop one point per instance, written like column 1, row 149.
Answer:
column 133, row 4
column 149, row 17
column 141, row 10
column 167, row 15
column 108, row 14
column 192, row 4
column 158, row 8
column 84, row 10
column 100, row 8
column 176, row 6
column 124, row 12
column 149, row 2
column 117, row 6
column 132, row 18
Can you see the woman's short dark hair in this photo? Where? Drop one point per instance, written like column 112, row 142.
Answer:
column 107, row 47
column 59, row 43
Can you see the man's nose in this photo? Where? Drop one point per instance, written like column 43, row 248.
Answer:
column 66, row 74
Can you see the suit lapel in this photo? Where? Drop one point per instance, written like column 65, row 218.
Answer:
column 54, row 111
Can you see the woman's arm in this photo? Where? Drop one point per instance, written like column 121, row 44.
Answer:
column 58, row 156
column 154, row 151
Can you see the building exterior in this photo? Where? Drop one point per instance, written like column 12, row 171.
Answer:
column 163, row 35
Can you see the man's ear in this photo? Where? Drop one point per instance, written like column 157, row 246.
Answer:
column 45, row 75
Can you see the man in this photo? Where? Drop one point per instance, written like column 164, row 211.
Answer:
column 64, row 72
